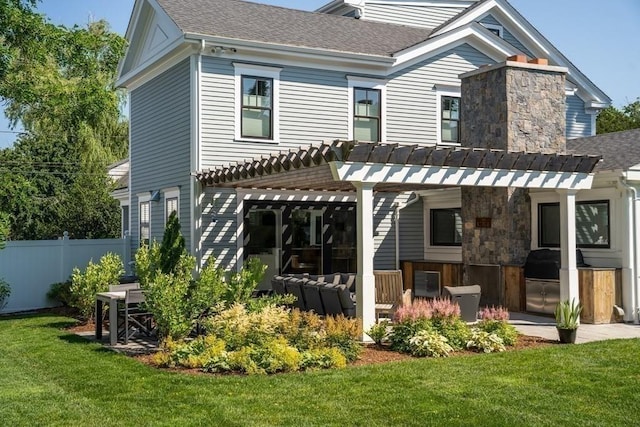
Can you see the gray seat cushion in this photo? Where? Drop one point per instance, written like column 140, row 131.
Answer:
column 311, row 291
column 331, row 299
column 294, row 286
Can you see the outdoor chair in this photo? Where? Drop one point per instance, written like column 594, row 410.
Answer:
column 294, row 286
column 311, row 292
column 390, row 293
column 124, row 287
column 135, row 317
column 331, row 299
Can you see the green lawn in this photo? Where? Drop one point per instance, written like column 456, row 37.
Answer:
column 51, row 377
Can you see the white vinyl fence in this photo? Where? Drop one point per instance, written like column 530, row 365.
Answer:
column 31, row 266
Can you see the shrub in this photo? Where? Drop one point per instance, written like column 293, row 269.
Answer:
column 344, row 334
column 485, row 341
column 454, row 329
column 168, row 299
column 428, row 309
column 274, row 356
column 201, row 352
column 239, row 327
column 147, row 260
column 5, row 293
column 430, row 344
column 61, row 292
column 241, row 285
column 508, row 333
column 304, row 329
column 323, row 358
column 378, row 332
column 402, row 332
column 172, row 246
column 96, row 278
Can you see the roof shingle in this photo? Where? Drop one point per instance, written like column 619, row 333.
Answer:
column 247, row 21
column 619, row 150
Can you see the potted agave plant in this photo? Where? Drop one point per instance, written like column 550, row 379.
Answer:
column 567, row 317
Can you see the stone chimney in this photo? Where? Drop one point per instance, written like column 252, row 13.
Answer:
column 517, row 106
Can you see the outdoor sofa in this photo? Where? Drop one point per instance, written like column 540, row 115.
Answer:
column 327, row 294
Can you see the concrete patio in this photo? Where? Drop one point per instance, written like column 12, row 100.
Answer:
column 545, row 327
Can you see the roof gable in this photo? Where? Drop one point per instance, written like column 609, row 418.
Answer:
column 150, row 32
column 530, row 38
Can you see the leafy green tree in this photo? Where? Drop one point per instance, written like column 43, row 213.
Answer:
column 57, row 83
column 612, row 119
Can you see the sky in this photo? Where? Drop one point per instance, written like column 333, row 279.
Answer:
column 602, row 38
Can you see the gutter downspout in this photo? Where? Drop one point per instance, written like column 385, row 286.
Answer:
column 634, row 276
column 396, row 218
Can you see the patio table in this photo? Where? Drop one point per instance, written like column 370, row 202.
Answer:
column 111, row 298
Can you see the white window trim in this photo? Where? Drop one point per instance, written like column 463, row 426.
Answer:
column 499, row 28
column 444, row 90
column 143, row 198
column 171, row 193
column 258, row 71
column 367, row 83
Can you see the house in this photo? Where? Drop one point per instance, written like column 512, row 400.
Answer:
column 217, row 88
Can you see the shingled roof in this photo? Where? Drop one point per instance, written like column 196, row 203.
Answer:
column 247, row 21
column 619, row 150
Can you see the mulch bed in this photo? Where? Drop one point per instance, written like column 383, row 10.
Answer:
column 371, row 354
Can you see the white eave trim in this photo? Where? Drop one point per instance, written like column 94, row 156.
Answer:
column 473, row 33
column 297, row 50
column 457, row 176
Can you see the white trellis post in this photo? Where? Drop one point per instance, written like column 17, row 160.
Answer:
column 569, row 287
column 365, row 281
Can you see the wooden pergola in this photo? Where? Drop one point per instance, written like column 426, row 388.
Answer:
column 366, row 168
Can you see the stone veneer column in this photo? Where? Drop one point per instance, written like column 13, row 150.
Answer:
column 514, row 106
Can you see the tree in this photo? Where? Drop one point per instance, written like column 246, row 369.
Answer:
column 612, row 119
column 172, row 246
column 57, row 82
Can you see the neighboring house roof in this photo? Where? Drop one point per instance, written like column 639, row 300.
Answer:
column 242, row 20
column 119, row 173
column 619, row 150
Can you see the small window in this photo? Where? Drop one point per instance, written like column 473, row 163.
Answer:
column 592, row 224
column 367, row 114
column 145, row 225
column 446, row 227
column 171, row 206
column 450, row 119
column 257, row 107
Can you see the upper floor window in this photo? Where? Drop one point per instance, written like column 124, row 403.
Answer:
column 257, row 107
column 450, row 119
column 592, row 224
column 257, row 103
column 367, row 116
column 171, row 202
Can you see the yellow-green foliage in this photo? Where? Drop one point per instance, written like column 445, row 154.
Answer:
column 304, row 329
column 343, row 333
column 197, row 353
column 96, row 278
column 323, row 358
column 238, row 327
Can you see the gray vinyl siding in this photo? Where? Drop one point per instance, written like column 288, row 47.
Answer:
column 384, row 229
column 412, row 231
column 411, row 94
column 419, row 16
column 313, row 108
column 578, row 121
column 507, row 36
column 219, row 225
column 160, row 147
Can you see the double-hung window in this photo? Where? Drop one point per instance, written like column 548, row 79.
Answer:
column 257, row 107
column 145, row 222
column 367, row 118
column 171, row 202
column 367, row 114
column 450, row 119
column 257, row 103
column 592, row 224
